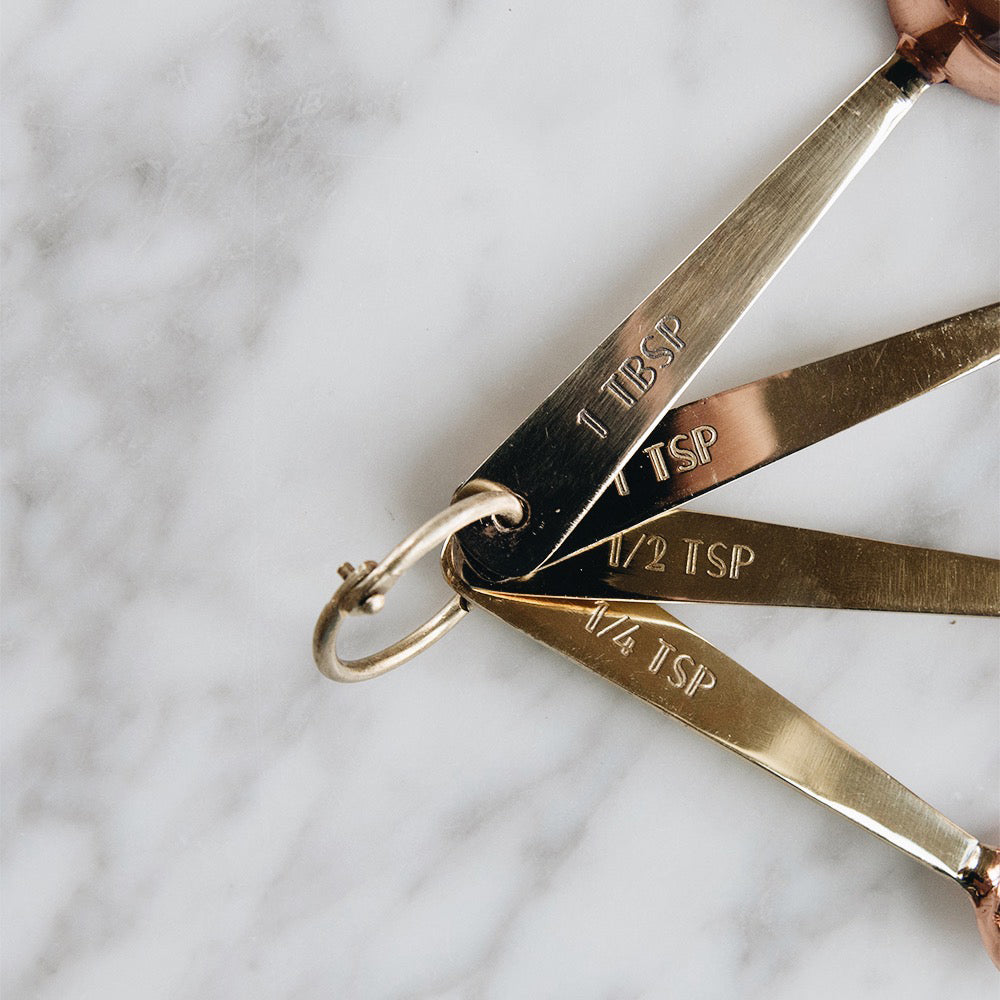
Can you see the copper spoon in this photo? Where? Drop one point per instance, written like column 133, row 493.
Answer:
column 953, row 40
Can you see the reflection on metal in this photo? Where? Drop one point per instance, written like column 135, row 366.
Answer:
column 705, row 444
column 652, row 655
column 608, row 423
column 707, row 558
column 603, row 411
column 953, row 40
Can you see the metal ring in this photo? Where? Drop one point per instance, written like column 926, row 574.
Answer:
column 364, row 589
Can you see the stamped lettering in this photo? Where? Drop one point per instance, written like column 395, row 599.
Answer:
column 719, row 563
column 587, row 419
column 633, row 378
column 718, row 560
column 684, row 672
column 618, row 631
column 664, row 344
column 699, row 441
column 654, row 549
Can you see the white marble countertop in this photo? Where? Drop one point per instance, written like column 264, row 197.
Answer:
column 277, row 278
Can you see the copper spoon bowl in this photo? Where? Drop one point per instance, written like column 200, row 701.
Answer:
column 981, row 883
column 952, row 40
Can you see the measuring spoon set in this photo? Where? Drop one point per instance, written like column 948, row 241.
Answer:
column 572, row 531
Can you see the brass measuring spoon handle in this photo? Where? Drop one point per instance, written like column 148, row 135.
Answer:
column 649, row 653
column 707, row 558
column 705, row 444
column 602, row 412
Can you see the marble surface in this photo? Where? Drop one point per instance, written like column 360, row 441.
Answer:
column 277, row 277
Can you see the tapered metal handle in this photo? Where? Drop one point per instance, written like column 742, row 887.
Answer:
column 705, row 444
column 567, row 452
column 652, row 655
column 707, row 558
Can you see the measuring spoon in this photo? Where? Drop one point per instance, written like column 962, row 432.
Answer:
column 687, row 556
column 652, row 655
column 564, row 456
column 705, row 444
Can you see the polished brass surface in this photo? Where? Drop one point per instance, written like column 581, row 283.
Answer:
column 688, row 556
column 650, row 654
column 542, row 514
column 705, row 444
column 602, row 412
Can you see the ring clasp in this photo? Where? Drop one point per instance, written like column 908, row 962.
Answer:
column 364, row 589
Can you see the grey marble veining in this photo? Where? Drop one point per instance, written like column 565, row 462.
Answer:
column 274, row 280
